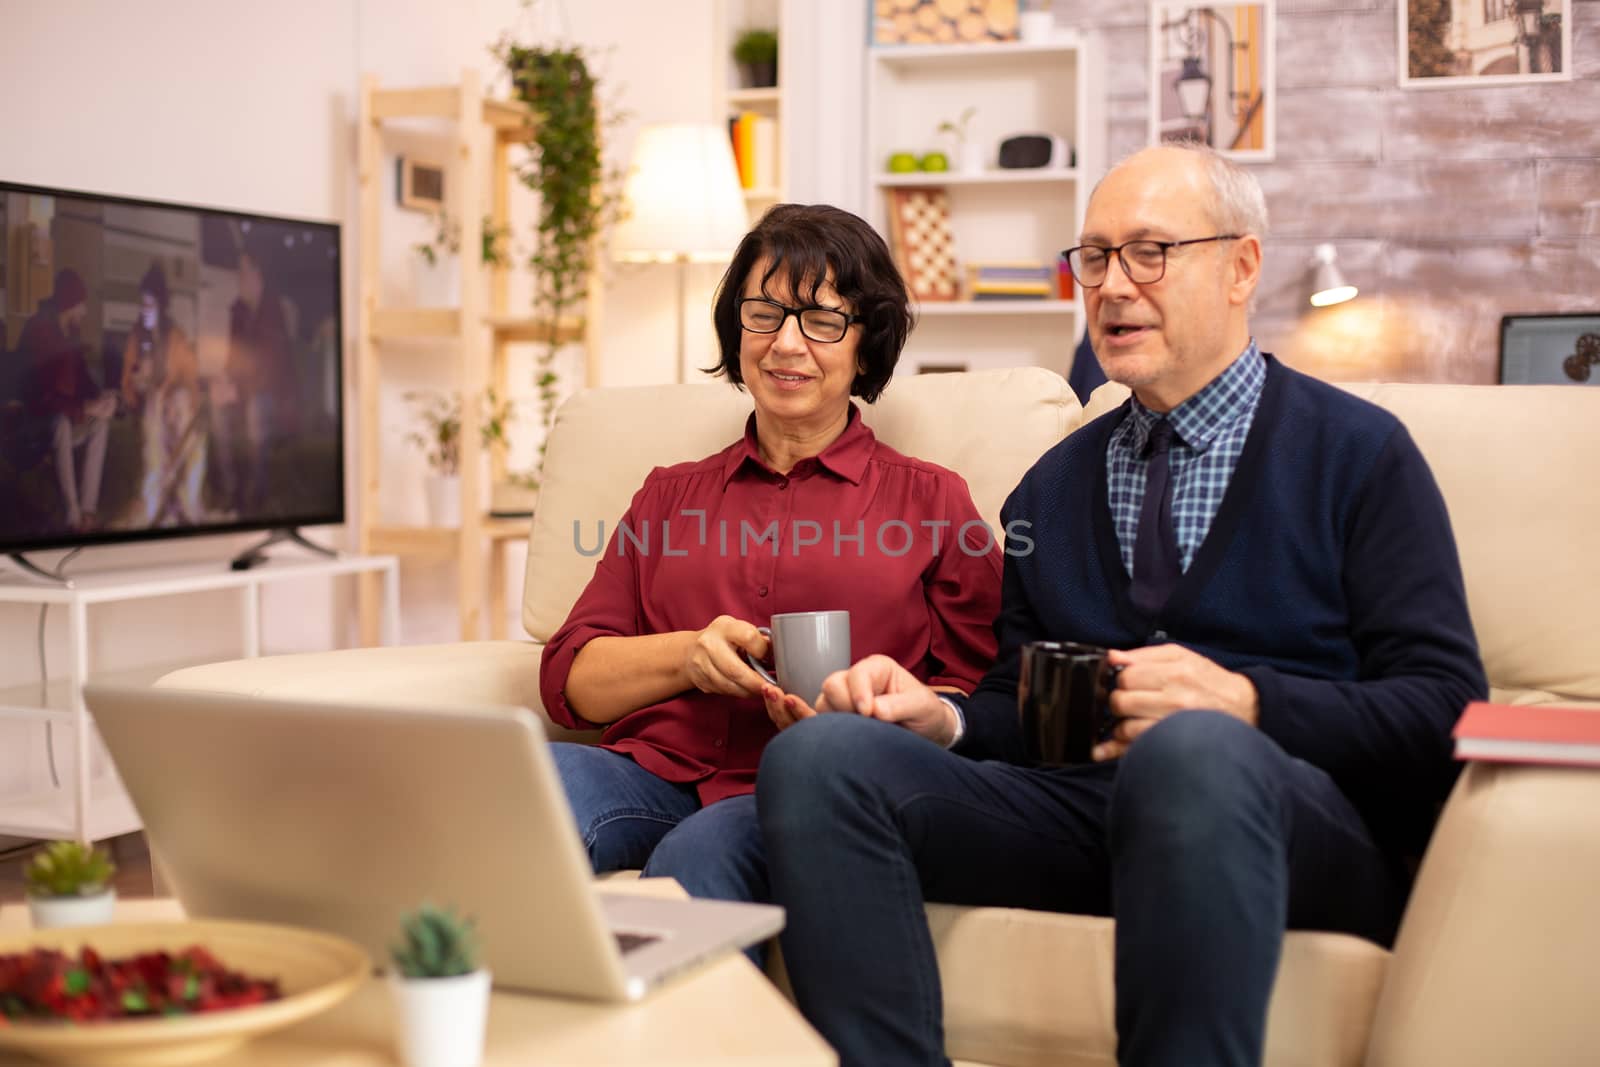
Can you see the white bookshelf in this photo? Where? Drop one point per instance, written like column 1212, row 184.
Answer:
column 951, row 308
column 1029, row 176
column 733, row 17
column 996, row 216
column 1065, row 44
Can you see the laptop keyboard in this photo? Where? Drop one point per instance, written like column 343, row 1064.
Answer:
column 626, row 942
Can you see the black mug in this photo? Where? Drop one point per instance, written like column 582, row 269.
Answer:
column 1064, row 701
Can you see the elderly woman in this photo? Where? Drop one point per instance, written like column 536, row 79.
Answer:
column 810, row 313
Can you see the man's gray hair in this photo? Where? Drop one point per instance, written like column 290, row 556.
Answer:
column 1238, row 205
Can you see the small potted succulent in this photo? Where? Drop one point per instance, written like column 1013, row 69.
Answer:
column 441, row 993
column 69, row 884
column 756, row 52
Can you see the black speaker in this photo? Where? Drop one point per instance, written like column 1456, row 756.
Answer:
column 1035, row 150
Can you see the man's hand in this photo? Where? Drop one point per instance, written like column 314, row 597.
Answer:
column 880, row 688
column 1161, row 679
column 716, row 663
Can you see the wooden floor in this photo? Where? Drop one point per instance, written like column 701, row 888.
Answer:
column 134, row 877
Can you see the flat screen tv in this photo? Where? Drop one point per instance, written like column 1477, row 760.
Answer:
column 165, row 370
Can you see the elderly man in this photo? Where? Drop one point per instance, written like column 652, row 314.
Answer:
column 1272, row 564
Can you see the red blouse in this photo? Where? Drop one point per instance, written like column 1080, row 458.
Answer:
column 893, row 540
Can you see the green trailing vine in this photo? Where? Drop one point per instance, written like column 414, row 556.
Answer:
column 579, row 196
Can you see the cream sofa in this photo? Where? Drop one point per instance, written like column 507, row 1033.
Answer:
column 1498, row 961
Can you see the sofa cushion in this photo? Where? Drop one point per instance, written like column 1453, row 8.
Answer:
column 1518, row 466
column 1029, row 989
column 989, row 425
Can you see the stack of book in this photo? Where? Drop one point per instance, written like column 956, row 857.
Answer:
column 1011, row 281
column 755, row 149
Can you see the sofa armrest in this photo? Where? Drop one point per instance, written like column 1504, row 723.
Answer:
column 466, row 673
column 1496, row 960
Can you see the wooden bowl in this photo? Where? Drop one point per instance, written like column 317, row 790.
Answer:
column 314, row 970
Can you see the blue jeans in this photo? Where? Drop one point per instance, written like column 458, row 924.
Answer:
column 1206, row 842
column 628, row 817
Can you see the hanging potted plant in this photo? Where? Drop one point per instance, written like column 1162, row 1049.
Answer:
column 579, row 196
column 440, row 441
column 756, row 52
column 69, row 884
column 441, row 993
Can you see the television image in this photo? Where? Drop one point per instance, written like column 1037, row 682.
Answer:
column 165, row 370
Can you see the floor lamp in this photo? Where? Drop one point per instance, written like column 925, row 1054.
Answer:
column 684, row 205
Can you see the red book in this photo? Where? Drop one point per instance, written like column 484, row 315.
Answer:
column 1506, row 733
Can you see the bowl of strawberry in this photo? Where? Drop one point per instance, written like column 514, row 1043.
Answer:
column 165, row 994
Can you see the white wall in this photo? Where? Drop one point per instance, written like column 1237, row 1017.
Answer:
column 252, row 107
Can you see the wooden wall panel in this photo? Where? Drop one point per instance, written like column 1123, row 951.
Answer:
column 1127, row 60
column 1324, row 50
column 1447, row 200
column 1569, row 199
column 1334, row 125
column 1586, row 39
column 1504, row 122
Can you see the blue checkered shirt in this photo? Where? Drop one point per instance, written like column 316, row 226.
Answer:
column 1211, row 427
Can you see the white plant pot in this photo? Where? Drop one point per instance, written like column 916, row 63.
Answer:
column 443, row 493
column 973, row 158
column 436, row 284
column 1037, row 27
column 439, row 1022
column 49, row 912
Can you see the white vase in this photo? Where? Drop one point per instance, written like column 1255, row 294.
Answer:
column 1036, row 27
column 436, row 284
column 49, row 912
column 443, row 493
column 973, row 158
column 440, row 1022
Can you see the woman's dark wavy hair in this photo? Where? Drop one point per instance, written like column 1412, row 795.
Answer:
column 816, row 244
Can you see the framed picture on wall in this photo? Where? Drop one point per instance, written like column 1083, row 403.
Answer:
column 1550, row 349
column 1452, row 43
column 419, row 184
column 1211, row 76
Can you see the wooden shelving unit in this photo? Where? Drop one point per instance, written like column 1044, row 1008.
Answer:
column 478, row 332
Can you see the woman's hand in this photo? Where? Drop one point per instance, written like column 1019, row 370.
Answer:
column 784, row 709
column 716, row 661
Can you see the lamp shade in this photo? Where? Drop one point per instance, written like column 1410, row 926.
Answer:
column 683, row 197
column 1327, row 283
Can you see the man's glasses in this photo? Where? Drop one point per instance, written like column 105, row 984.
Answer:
column 1143, row 262
column 823, row 325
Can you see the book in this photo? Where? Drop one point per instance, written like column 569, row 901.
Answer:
column 765, row 141
column 1508, row 733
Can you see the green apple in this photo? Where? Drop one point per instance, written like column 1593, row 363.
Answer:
column 901, row 162
column 935, row 161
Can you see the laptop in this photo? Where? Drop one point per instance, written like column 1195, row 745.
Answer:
column 343, row 817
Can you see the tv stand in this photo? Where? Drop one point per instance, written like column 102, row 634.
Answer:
column 33, row 570
column 89, row 805
column 256, row 554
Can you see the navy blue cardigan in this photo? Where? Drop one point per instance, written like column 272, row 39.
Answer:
column 1329, row 577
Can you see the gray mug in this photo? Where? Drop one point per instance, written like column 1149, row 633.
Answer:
column 807, row 646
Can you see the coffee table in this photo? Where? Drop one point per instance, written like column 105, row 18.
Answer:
column 726, row 1012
